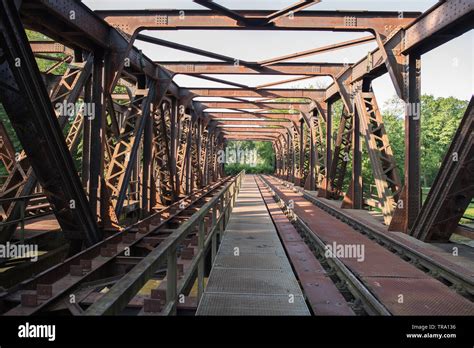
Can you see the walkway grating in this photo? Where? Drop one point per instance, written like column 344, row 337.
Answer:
column 259, row 280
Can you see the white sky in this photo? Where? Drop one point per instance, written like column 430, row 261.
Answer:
column 446, row 71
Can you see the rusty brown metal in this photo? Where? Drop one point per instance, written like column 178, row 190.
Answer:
column 318, row 50
column 250, row 93
column 382, row 22
column 194, row 68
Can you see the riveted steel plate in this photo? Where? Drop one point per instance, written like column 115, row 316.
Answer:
column 418, row 297
column 383, row 263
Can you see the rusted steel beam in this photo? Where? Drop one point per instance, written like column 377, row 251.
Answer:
column 224, row 11
column 88, row 31
column 244, row 132
column 250, row 137
column 49, row 47
column 260, row 131
column 196, row 67
column 256, row 115
column 443, row 22
column 384, row 168
column 135, row 20
column 253, row 21
column 248, row 122
column 193, row 50
column 272, row 123
column 7, row 150
column 318, row 50
column 162, row 116
column 257, row 106
column 410, row 204
column 342, row 147
column 21, row 180
column 314, row 94
column 353, row 199
column 440, row 24
column 32, row 116
column 290, row 10
column 281, row 82
column 453, row 188
column 214, row 79
column 132, row 153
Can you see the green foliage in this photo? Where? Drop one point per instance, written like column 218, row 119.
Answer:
column 236, row 168
column 439, row 120
column 265, row 157
column 45, row 64
column 440, row 117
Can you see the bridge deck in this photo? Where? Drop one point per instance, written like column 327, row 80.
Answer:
column 251, row 274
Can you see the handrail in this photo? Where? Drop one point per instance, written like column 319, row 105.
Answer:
column 22, row 198
column 116, row 299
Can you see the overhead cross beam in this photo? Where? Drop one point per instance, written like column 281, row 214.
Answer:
column 304, row 107
column 193, row 50
column 242, row 20
column 290, row 10
column 383, row 22
column 318, row 50
column 257, row 21
column 231, row 68
column 314, row 94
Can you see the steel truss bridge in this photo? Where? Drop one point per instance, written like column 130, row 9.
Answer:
column 150, row 195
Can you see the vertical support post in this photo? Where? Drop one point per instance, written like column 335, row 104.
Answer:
column 188, row 163
column 86, row 140
column 173, row 147
column 412, row 144
column 201, row 236
column 221, row 212
column 22, row 221
column 312, row 158
column 324, row 191
column 147, row 165
column 97, row 132
column 171, row 277
column 301, row 171
column 357, row 199
column 289, row 162
column 404, row 216
column 199, row 172
column 214, row 235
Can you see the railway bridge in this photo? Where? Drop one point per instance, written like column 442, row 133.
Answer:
column 115, row 173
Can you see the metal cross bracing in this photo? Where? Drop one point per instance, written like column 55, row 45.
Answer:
column 150, row 142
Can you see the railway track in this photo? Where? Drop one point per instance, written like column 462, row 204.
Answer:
column 104, row 263
column 441, row 270
column 359, row 298
column 320, row 284
column 375, row 289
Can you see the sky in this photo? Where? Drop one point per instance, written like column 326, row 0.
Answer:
column 446, row 71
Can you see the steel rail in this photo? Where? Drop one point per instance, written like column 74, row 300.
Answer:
column 117, row 298
column 459, row 282
column 370, row 303
column 174, row 211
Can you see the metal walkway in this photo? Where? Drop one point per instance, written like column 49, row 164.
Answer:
column 251, row 274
